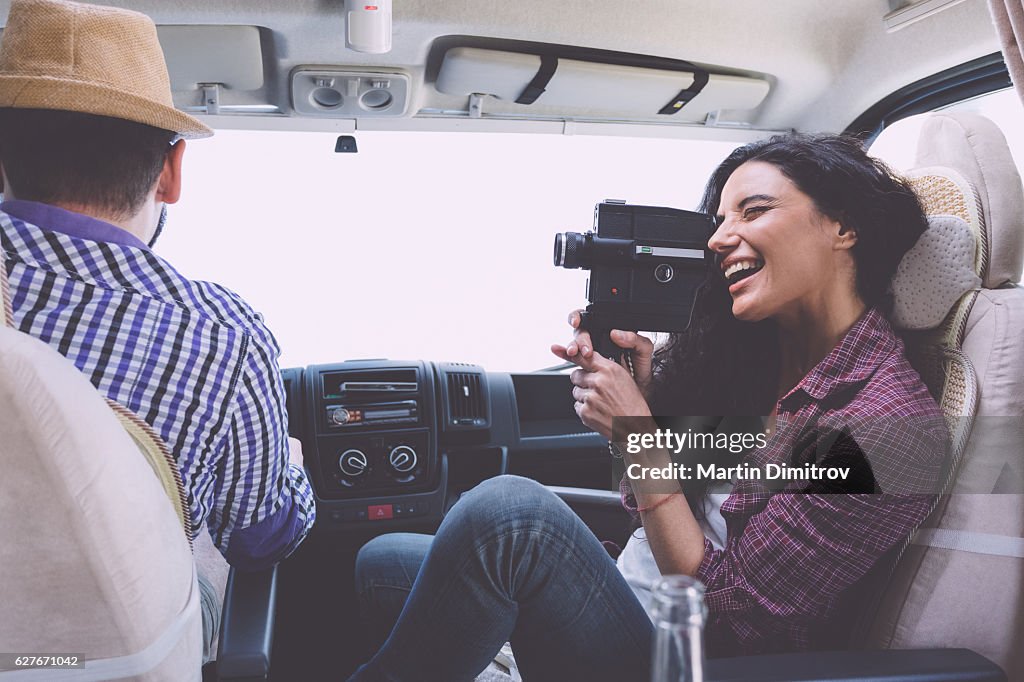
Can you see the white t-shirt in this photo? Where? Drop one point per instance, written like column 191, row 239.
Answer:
column 636, row 563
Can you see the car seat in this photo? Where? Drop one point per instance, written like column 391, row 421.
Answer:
column 94, row 562
column 961, row 581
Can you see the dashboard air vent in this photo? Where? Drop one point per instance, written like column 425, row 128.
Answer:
column 466, row 400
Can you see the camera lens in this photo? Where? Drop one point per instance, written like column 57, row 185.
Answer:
column 569, row 248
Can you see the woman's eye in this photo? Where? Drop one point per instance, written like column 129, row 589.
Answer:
column 754, row 211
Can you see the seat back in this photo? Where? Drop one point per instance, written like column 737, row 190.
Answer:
column 961, row 581
column 94, row 561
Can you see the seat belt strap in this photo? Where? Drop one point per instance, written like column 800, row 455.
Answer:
column 970, row 541
column 5, row 297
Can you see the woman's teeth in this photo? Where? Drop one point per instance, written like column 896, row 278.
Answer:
column 742, row 269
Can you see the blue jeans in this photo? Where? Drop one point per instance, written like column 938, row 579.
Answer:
column 510, row 562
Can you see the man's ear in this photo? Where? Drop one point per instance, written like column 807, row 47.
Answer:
column 168, row 185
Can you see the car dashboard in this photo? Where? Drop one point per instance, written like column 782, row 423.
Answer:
column 390, row 442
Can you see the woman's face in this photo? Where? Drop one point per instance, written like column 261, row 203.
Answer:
column 778, row 253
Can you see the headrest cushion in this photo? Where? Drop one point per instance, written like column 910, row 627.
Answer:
column 934, row 274
column 976, row 148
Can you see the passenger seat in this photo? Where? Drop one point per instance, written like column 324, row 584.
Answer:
column 93, row 561
column 961, row 582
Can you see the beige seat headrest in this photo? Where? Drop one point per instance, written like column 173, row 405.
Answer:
column 935, row 274
column 976, row 148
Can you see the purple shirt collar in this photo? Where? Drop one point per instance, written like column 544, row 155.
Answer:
column 857, row 356
column 54, row 219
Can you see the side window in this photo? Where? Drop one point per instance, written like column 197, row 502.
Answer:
column 1005, row 108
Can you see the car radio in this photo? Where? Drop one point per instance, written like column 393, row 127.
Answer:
column 350, row 415
column 373, row 425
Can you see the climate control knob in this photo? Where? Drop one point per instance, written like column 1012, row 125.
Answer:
column 353, row 463
column 403, row 459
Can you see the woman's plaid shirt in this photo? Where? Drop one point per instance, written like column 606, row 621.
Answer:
column 795, row 549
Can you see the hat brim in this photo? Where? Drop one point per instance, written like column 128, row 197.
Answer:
column 64, row 94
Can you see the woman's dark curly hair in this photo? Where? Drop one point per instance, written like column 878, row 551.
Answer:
column 722, row 366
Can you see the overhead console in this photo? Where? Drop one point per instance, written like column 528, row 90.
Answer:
column 339, row 92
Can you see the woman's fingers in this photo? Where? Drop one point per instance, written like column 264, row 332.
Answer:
column 581, row 344
column 560, row 351
column 643, row 354
column 632, row 341
column 583, row 378
column 573, row 353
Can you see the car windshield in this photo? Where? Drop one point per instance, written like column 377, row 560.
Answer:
column 423, row 244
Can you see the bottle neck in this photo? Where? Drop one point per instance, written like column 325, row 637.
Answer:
column 679, row 615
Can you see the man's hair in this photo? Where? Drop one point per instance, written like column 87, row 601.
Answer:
column 69, row 157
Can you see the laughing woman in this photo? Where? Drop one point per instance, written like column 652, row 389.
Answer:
column 791, row 324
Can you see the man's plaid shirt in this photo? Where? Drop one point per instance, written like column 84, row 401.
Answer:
column 190, row 358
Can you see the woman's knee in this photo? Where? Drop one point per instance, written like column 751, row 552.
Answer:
column 392, row 558
column 513, row 501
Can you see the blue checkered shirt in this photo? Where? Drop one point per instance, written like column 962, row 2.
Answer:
column 191, row 358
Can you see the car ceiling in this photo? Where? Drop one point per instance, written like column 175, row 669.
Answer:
column 826, row 62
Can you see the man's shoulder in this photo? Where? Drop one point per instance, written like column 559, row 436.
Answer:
column 225, row 304
column 226, row 307
column 124, row 267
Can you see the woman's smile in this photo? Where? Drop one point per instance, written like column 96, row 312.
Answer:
column 739, row 271
column 743, row 281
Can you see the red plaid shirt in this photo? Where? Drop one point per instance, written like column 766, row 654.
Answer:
column 791, row 555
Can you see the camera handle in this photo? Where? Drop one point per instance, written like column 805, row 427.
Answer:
column 600, row 336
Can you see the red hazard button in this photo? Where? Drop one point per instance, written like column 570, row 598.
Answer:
column 379, row 511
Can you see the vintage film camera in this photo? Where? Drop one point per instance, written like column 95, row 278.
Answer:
column 646, row 264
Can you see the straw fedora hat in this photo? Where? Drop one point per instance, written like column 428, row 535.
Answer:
column 91, row 59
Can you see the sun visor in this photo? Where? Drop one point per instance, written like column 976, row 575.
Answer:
column 551, row 84
column 216, row 69
column 228, row 55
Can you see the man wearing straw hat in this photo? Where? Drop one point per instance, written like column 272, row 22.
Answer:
column 91, row 151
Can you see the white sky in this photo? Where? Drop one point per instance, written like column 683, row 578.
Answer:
column 431, row 246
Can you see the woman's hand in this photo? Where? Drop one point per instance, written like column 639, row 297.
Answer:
column 642, row 353
column 604, row 390
column 582, row 347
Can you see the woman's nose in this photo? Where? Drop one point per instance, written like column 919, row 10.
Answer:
column 723, row 239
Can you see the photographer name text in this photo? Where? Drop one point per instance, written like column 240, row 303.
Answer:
column 741, row 472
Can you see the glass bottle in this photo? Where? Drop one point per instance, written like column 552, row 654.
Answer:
column 678, row 612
